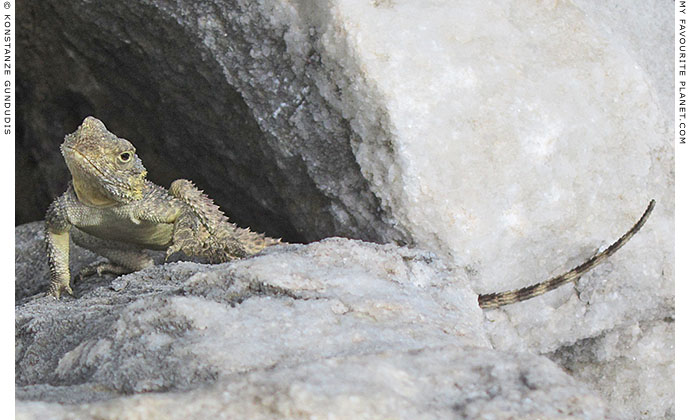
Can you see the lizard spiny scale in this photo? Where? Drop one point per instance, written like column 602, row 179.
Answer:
column 208, row 212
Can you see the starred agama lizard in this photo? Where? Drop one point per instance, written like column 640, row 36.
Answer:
column 112, row 209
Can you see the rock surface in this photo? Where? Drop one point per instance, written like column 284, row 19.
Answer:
column 336, row 328
column 312, row 120
column 511, row 140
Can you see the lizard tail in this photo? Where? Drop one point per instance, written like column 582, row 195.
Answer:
column 494, row 300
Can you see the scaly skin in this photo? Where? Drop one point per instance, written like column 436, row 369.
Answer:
column 495, row 300
column 112, row 209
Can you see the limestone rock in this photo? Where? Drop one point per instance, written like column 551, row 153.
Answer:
column 510, row 139
column 335, row 328
column 433, row 383
column 628, row 366
column 470, row 130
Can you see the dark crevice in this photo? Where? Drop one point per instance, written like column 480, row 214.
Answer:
column 194, row 109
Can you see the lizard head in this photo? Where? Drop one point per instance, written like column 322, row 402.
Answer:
column 105, row 169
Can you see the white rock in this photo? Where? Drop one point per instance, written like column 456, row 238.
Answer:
column 513, row 139
column 516, row 139
column 439, row 383
column 510, row 137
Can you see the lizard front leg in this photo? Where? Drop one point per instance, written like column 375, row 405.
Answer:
column 57, row 229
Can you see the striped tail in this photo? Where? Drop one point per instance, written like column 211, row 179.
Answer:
column 494, row 300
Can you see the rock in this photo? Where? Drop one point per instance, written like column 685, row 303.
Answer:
column 627, row 366
column 336, row 328
column 314, row 121
column 432, row 383
column 510, row 140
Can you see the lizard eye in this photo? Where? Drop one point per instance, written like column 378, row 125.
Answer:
column 125, row 157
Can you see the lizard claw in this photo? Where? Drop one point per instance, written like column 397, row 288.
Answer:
column 171, row 250
column 56, row 289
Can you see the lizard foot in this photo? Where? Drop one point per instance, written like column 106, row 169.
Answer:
column 100, row 269
column 171, row 250
column 57, row 288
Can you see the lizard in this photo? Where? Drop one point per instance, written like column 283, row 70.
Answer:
column 111, row 209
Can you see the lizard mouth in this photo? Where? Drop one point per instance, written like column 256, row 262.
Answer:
column 81, row 158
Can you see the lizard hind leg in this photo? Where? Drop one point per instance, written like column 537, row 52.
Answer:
column 189, row 236
column 100, row 269
column 206, row 231
column 193, row 238
column 207, row 211
column 210, row 233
